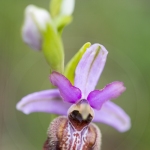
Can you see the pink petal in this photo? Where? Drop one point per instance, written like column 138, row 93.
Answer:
column 90, row 68
column 98, row 97
column 114, row 116
column 48, row 101
column 68, row 92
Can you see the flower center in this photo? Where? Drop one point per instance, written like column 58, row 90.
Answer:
column 80, row 114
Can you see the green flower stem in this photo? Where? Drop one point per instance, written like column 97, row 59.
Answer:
column 53, row 49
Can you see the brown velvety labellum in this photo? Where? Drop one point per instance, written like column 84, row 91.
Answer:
column 62, row 135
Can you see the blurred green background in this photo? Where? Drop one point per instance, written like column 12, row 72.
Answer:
column 122, row 26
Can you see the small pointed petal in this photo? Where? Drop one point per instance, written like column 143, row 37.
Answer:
column 111, row 91
column 114, row 116
column 68, row 92
column 90, row 68
column 36, row 20
column 48, row 101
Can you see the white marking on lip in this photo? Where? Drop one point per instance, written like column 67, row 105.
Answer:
column 74, row 140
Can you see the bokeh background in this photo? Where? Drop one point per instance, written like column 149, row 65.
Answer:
column 122, row 26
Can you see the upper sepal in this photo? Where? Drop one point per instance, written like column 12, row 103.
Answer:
column 90, row 68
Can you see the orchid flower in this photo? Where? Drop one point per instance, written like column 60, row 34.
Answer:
column 87, row 73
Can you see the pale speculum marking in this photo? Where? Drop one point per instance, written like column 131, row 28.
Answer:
column 74, row 140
